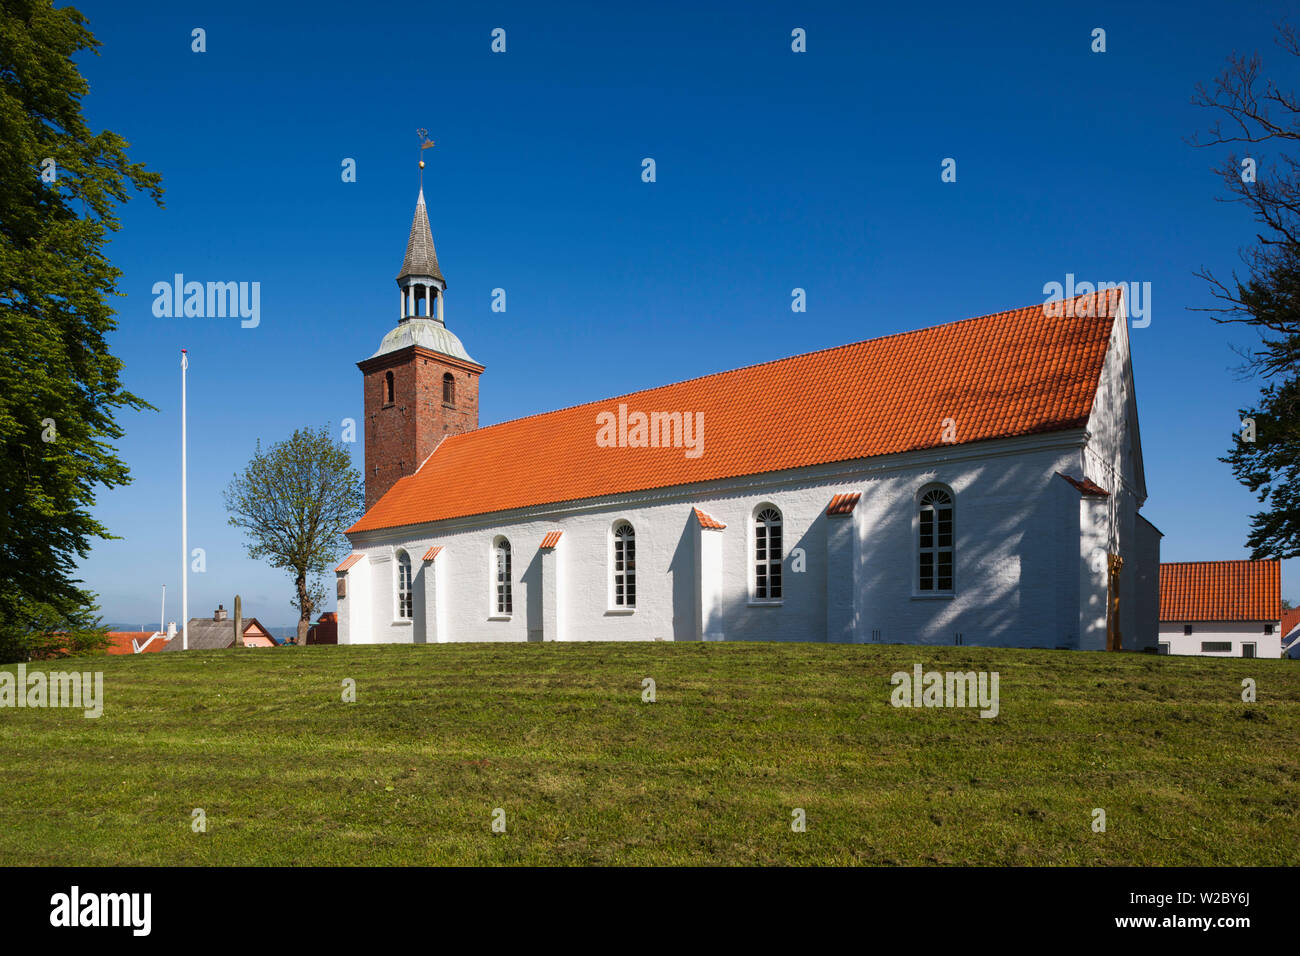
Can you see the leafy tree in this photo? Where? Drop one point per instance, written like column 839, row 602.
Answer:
column 295, row 500
column 51, row 635
column 1270, row 467
column 59, row 385
column 1254, row 115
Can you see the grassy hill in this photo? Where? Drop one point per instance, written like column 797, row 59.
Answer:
column 740, row 735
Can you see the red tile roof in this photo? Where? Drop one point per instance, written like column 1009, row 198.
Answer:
column 552, row 539
column 350, row 560
column 1013, row 373
column 1221, row 591
column 121, row 642
column 1290, row 620
column 707, row 520
column 1087, row 487
column 432, row 553
column 843, row 504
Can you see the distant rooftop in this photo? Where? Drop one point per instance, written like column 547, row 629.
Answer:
column 1221, row 591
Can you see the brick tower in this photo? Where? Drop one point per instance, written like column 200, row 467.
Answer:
column 421, row 384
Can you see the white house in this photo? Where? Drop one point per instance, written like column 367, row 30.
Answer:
column 1221, row 608
column 971, row 483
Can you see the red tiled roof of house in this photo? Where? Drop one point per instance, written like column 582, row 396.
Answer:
column 121, row 642
column 432, row 552
column 1087, row 487
column 1221, row 591
column 843, row 504
column 1290, row 620
column 998, row 376
column 552, row 539
column 707, row 520
column 350, row 560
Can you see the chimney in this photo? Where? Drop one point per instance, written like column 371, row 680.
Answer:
column 220, row 614
column 171, row 630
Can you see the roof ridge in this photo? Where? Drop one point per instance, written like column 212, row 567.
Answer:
column 755, row 365
column 1226, row 561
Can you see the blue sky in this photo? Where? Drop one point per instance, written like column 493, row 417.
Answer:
column 775, row 170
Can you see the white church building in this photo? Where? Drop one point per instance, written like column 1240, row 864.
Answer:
column 974, row 483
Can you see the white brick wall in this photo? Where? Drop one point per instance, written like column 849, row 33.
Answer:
column 1236, row 634
column 1113, row 459
column 1017, row 535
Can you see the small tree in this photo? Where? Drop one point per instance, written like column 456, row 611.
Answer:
column 295, row 500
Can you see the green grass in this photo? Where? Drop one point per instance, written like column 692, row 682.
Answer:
column 557, row 735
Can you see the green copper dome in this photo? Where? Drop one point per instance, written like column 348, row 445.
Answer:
column 426, row 333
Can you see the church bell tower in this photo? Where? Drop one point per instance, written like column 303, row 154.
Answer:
column 421, row 385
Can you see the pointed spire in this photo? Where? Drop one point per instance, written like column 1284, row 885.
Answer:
column 421, row 259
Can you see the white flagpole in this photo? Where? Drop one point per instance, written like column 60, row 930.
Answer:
column 185, row 520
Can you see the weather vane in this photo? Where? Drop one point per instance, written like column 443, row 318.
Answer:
column 425, row 143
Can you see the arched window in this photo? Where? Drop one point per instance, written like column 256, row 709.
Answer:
column 934, row 542
column 767, row 554
column 388, row 388
column 504, row 598
column 624, row 566
column 449, row 389
column 405, row 601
